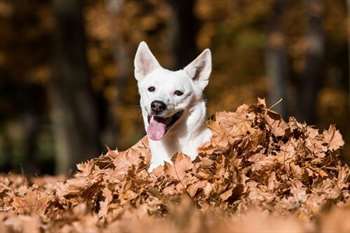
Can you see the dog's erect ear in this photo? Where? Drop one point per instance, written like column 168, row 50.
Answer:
column 200, row 68
column 144, row 61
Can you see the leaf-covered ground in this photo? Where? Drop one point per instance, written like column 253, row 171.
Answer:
column 258, row 174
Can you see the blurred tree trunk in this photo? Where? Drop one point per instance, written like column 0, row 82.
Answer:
column 31, row 130
column 73, row 109
column 348, row 37
column 122, row 61
column 184, row 47
column 311, row 78
column 276, row 58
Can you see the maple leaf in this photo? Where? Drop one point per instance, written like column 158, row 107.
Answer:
column 333, row 138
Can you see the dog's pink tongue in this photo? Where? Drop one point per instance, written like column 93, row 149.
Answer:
column 156, row 130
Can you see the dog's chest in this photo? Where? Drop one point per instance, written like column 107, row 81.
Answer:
column 167, row 148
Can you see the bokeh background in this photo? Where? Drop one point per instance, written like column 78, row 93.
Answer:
column 67, row 90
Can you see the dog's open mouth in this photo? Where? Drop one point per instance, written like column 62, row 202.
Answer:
column 158, row 126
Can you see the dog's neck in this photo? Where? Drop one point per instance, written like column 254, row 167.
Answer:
column 185, row 136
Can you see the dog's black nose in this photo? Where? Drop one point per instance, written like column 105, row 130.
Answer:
column 158, row 107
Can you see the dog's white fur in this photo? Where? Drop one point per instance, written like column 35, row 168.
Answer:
column 190, row 131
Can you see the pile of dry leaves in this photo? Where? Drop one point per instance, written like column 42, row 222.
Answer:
column 259, row 173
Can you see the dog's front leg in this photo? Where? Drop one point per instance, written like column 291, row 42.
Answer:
column 159, row 155
column 155, row 162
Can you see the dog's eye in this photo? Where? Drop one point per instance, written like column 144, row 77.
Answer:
column 178, row 93
column 151, row 89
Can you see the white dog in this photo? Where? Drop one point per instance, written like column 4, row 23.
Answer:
column 172, row 104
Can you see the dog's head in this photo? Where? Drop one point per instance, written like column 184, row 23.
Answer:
column 166, row 95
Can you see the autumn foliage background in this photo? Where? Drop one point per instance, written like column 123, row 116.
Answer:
column 67, row 94
column 67, row 89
